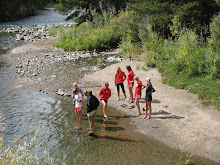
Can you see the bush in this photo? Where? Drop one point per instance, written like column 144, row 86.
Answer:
column 102, row 33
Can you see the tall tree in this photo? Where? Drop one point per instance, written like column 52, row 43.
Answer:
column 82, row 9
column 193, row 14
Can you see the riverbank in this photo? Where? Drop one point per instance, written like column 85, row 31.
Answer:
column 179, row 118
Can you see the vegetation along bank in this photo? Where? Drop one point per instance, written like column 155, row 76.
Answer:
column 180, row 38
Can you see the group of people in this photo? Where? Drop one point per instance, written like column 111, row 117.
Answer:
column 105, row 94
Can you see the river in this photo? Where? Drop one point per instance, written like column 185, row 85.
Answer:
column 26, row 111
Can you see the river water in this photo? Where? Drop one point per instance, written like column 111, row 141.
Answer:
column 27, row 111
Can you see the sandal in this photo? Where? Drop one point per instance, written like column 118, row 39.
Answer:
column 147, row 118
column 144, row 117
column 138, row 114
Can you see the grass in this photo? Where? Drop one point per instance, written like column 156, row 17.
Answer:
column 205, row 87
column 100, row 34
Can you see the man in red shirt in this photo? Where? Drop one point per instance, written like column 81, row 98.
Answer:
column 130, row 80
column 105, row 93
column 120, row 77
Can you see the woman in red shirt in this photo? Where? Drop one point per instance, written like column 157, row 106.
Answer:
column 137, row 94
column 120, row 77
column 130, row 80
column 105, row 93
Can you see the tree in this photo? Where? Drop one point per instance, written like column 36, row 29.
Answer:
column 16, row 9
column 82, row 9
column 193, row 14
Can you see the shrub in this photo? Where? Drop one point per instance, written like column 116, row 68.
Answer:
column 103, row 32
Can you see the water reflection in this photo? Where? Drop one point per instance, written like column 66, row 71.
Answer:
column 45, row 16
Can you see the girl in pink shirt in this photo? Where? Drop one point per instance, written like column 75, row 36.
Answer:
column 105, row 93
column 137, row 94
column 120, row 77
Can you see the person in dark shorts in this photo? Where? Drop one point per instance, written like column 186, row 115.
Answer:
column 148, row 98
column 120, row 77
column 105, row 93
column 92, row 105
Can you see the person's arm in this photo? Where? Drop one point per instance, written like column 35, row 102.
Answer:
column 89, row 102
column 96, row 102
column 81, row 91
column 124, row 76
column 110, row 93
column 100, row 93
column 73, row 99
column 153, row 90
column 80, row 98
column 115, row 78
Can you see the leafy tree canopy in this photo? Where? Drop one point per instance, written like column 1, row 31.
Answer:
column 82, row 9
column 193, row 14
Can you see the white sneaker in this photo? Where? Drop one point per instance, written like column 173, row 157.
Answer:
column 118, row 99
column 127, row 99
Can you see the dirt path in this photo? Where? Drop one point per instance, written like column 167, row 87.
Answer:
column 179, row 118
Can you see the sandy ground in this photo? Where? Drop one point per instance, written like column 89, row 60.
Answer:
column 39, row 46
column 179, row 118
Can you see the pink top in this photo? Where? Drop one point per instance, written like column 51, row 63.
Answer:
column 130, row 77
column 138, row 88
column 105, row 93
column 120, row 77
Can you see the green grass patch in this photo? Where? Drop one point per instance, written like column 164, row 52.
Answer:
column 100, row 34
column 206, row 87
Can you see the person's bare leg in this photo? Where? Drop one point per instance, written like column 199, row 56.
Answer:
column 131, row 94
column 138, row 106
column 125, row 95
column 104, row 108
column 93, row 121
column 118, row 95
column 90, row 121
column 146, row 109
column 80, row 114
column 149, row 104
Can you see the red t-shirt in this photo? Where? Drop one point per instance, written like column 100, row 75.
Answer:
column 120, row 77
column 130, row 77
column 105, row 93
column 138, row 88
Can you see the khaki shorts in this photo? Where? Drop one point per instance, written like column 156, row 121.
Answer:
column 91, row 113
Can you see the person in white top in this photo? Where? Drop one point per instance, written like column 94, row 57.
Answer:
column 78, row 103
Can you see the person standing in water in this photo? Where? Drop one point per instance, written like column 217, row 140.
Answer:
column 130, row 79
column 148, row 98
column 92, row 105
column 105, row 93
column 78, row 103
column 75, row 86
column 120, row 77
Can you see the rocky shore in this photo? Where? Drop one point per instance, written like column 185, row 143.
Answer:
column 33, row 33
